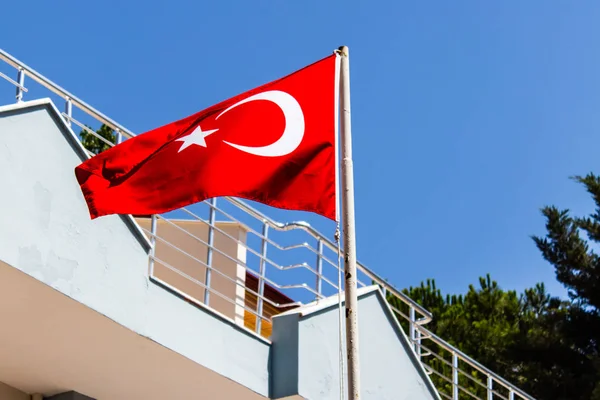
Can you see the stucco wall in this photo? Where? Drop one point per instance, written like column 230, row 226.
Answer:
column 46, row 232
column 50, row 344
column 305, row 353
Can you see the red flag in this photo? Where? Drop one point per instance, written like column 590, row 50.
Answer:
column 274, row 144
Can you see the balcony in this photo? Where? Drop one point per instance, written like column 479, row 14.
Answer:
column 217, row 298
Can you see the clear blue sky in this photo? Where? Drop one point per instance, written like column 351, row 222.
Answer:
column 468, row 116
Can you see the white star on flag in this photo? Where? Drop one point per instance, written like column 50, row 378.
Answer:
column 196, row 137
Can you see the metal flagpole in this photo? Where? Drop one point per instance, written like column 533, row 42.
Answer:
column 349, row 231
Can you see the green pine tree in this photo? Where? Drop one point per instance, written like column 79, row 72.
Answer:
column 547, row 346
column 518, row 336
column 93, row 143
column 568, row 246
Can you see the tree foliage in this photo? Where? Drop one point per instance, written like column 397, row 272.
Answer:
column 547, row 346
column 521, row 337
column 93, row 143
column 569, row 246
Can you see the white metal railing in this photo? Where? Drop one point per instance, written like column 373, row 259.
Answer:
column 293, row 258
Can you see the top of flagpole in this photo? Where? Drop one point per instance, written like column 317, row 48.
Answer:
column 342, row 50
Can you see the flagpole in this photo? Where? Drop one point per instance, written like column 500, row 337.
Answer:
column 349, row 231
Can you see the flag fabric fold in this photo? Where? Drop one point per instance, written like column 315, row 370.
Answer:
column 274, row 144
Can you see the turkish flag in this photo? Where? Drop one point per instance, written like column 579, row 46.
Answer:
column 274, row 144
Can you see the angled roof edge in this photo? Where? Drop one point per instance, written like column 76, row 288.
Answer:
column 28, row 104
column 318, row 305
column 412, row 353
column 82, row 153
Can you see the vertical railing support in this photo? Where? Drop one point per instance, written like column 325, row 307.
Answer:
column 415, row 335
column 413, row 328
column 418, row 338
column 153, row 229
column 68, row 110
column 454, row 376
column 490, row 388
column 21, row 82
column 211, row 242
column 261, row 278
column 511, row 395
column 319, row 285
column 119, row 136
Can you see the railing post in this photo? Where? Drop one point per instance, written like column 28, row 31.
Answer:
column 415, row 335
column 21, row 81
column 261, row 278
column 319, row 286
column 119, row 136
column 454, row 376
column 211, row 241
column 490, row 388
column 153, row 228
column 511, row 395
column 68, row 110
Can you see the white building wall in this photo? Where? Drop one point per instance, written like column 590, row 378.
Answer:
column 46, row 232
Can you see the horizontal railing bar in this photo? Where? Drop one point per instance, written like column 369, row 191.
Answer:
column 245, row 245
column 495, row 392
column 462, row 356
column 480, row 368
column 300, row 286
column 89, row 153
column 17, row 84
column 85, row 128
column 317, row 235
column 212, row 269
column 251, row 250
column 196, row 281
column 239, row 262
column 444, row 377
column 465, row 390
column 431, row 352
column 394, row 309
column 276, row 305
column 406, row 317
column 272, row 263
column 419, row 308
column 201, row 241
column 221, row 231
column 260, row 236
column 53, row 87
column 465, row 373
column 334, row 264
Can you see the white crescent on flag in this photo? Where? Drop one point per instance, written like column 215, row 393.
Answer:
column 294, row 124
